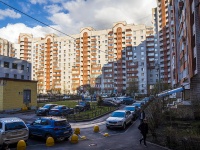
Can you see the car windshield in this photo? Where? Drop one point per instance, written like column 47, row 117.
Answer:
column 130, row 108
column 14, row 126
column 46, row 106
column 60, row 123
column 118, row 114
column 57, row 107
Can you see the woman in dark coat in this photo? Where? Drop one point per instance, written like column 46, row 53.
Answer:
column 143, row 127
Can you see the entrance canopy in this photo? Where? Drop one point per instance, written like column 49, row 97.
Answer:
column 167, row 93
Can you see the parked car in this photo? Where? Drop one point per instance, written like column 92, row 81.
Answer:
column 119, row 118
column 104, row 95
column 79, row 108
column 45, row 109
column 66, row 97
column 138, row 105
column 127, row 101
column 85, row 104
column 12, row 130
column 133, row 111
column 61, row 110
column 55, row 127
column 109, row 103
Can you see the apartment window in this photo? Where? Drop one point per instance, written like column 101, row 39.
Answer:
column 6, row 64
column 22, row 67
column 15, row 76
column 142, row 53
column 14, row 66
column 134, row 32
column 27, row 69
column 142, row 47
column 141, row 37
column 27, row 77
column 6, row 75
column 22, row 77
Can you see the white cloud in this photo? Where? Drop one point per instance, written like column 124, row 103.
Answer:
column 11, row 31
column 8, row 13
column 52, row 9
column 38, row 1
column 69, row 16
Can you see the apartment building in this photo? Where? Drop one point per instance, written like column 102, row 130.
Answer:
column 14, row 68
column 166, row 39
column 187, row 45
column 69, row 64
column 7, row 48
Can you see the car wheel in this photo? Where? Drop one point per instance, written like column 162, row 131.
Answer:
column 124, row 126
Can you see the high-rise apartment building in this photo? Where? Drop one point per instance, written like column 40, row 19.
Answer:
column 166, row 39
column 187, row 21
column 104, row 59
column 7, row 48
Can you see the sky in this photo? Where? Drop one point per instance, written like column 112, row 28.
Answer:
column 68, row 16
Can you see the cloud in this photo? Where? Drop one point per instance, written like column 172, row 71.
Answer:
column 69, row 16
column 38, row 1
column 52, row 9
column 25, row 7
column 11, row 31
column 8, row 13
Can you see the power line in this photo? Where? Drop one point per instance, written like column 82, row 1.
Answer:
column 36, row 19
column 49, row 25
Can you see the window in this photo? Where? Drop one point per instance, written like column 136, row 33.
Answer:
column 6, row 75
column 6, row 64
column 14, row 66
column 27, row 69
column 14, row 126
column 15, row 76
column 22, row 77
column 22, row 67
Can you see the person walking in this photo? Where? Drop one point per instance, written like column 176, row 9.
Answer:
column 142, row 116
column 143, row 127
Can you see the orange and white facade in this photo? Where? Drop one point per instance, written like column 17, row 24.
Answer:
column 104, row 59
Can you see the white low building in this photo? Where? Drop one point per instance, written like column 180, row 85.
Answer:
column 14, row 68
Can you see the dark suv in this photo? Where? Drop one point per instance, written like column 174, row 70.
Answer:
column 55, row 127
column 45, row 109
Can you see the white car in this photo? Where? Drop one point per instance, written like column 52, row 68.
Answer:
column 119, row 119
column 12, row 129
column 66, row 97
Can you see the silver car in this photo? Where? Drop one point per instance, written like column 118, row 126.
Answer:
column 119, row 118
column 12, row 130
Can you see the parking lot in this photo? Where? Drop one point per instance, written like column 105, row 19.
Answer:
column 117, row 139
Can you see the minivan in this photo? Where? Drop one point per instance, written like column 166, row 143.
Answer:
column 12, row 130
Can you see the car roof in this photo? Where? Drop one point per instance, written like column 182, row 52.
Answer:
column 54, row 118
column 130, row 106
column 51, row 104
column 120, row 111
column 10, row 119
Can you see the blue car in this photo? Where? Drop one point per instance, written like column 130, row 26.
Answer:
column 55, row 127
column 138, row 105
column 127, row 101
column 61, row 110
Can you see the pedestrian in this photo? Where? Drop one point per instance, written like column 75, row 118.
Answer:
column 143, row 127
column 142, row 116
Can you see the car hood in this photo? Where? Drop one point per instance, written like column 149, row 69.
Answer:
column 115, row 119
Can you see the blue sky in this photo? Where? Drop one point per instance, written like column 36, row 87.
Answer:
column 69, row 15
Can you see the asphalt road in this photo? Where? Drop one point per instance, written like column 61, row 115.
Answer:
column 117, row 140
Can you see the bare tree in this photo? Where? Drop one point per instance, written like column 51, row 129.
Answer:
column 132, row 87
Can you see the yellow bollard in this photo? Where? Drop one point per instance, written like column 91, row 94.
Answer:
column 21, row 145
column 50, row 141
column 74, row 138
column 106, row 134
column 96, row 128
column 77, row 131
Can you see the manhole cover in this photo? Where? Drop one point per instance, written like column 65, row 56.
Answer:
column 93, row 144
